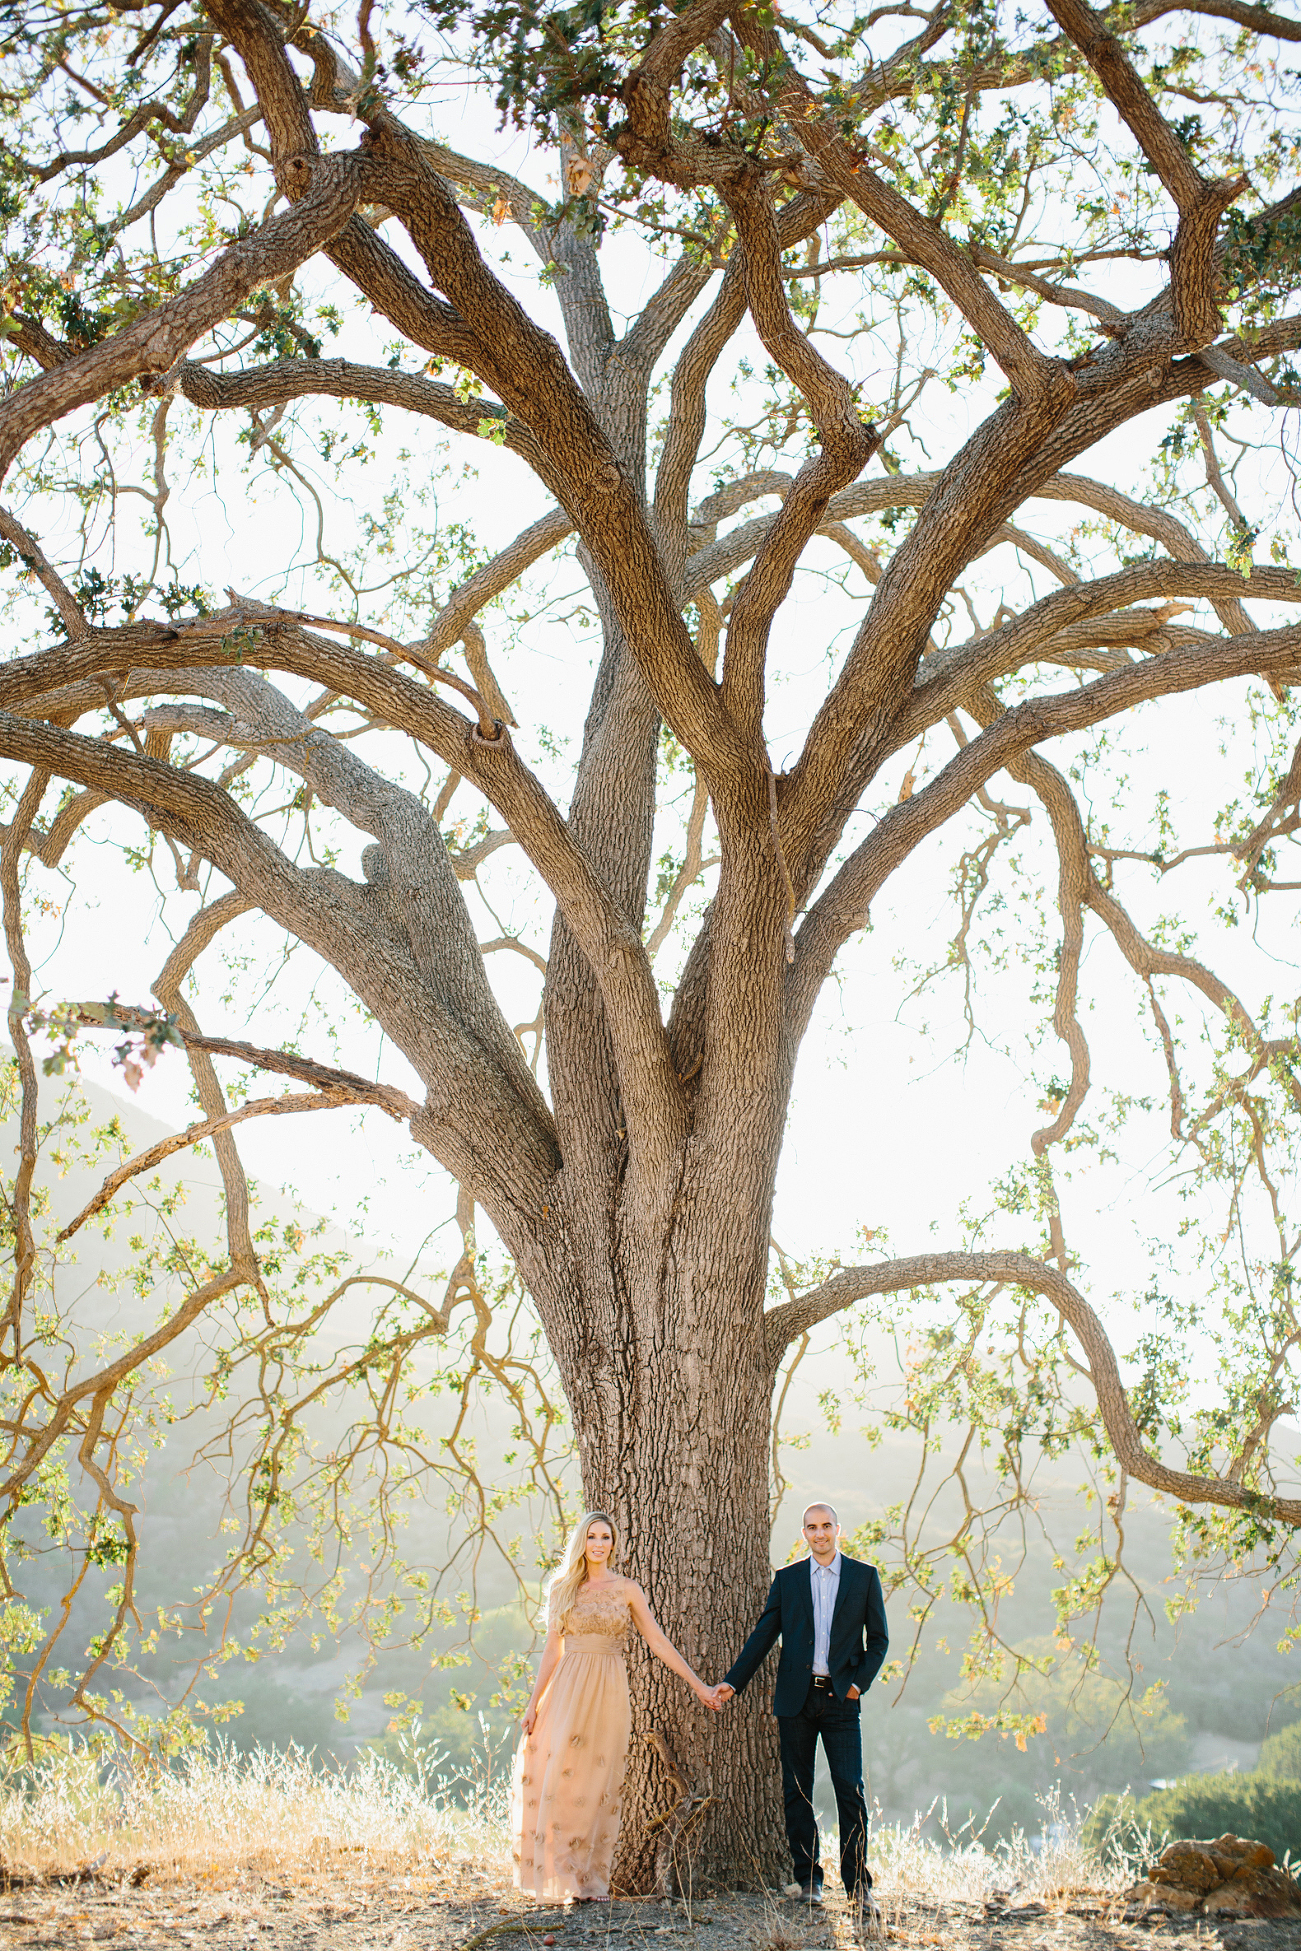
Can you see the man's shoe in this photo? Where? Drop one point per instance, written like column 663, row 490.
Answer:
column 810, row 1893
column 865, row 1914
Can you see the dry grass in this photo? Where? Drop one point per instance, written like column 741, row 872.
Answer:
column 270, row 1852
column 273, row 1836
column 961, row 1868
column 214, row 1811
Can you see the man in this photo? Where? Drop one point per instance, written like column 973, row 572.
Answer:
column 830, row 1614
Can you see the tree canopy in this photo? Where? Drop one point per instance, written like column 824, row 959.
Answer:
column 782, row 347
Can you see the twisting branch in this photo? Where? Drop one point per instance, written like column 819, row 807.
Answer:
column 99, row 1386
column 202, row 930
column 1018, row 1270
column 946, row 677
column 1288, row 795
column 843, row 905
column 246, row 612
column 450, row 625
column 1200, row 204
column 156, row 339
column 34, row 558
column 686, row 422
column 344, row 1085
column 1033, row 374
column 260, row 1107
column 847, row 444
column 20, row 1202
column 693, row 866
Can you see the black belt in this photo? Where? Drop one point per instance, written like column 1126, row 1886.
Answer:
column 822, row 1679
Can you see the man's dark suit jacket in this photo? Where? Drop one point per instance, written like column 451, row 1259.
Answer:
column 858, row 1636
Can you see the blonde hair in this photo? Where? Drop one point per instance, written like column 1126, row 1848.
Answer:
column 571, row 1574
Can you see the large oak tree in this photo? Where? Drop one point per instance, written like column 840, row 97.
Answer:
column 1028, row 193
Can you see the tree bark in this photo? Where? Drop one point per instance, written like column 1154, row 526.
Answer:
column 670, row 1382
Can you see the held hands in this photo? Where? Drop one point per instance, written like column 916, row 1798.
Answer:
column 718, row 1697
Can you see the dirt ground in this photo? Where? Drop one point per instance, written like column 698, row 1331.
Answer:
column 244, row 1911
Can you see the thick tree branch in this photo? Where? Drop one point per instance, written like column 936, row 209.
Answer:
column 963, row 511
column 686, row 421
column 716, row 558
column 262, row 387
column 1260, row 20
column 524, row 367
column 946, row 677
column 609, row 940
column 489, row 1122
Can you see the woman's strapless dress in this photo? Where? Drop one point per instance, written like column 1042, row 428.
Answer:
column 567, row 1788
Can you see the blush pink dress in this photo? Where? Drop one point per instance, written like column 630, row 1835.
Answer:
column 567, row 1788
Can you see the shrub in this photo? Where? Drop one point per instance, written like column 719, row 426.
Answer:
column 1280, row 1755
column 1255, row 1805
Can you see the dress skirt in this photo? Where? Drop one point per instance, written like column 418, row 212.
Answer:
column 567, row 1787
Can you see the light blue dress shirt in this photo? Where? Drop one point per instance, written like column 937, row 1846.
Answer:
column 826, row 1584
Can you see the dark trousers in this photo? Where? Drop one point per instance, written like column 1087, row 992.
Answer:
column 837, row 1722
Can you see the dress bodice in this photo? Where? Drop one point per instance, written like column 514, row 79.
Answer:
column 600, row 1609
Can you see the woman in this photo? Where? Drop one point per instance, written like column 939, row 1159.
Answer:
column 569, row 1769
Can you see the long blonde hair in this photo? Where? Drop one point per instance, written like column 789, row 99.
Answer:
column 571, row 1574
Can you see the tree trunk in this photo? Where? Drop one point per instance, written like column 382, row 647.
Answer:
column 701, row 1554
column 669, row 1379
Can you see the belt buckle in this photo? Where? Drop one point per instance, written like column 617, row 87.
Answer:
column 822, row 1680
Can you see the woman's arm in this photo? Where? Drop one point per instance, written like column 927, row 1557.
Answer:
column 550, row 1660
column 662, row 1646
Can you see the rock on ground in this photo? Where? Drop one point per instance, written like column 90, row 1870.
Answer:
column 1227, row 1876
